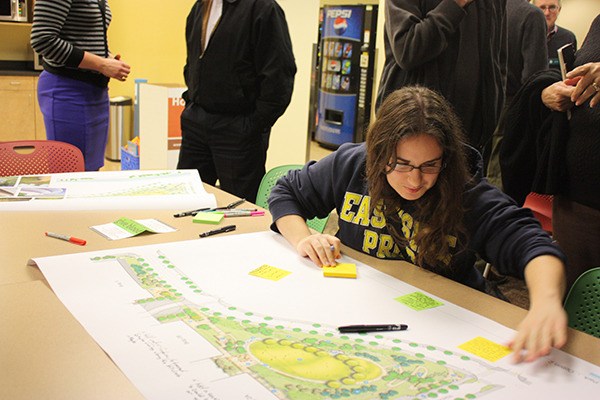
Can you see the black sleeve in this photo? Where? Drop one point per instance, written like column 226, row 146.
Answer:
column 503, row 233
column 274, row 63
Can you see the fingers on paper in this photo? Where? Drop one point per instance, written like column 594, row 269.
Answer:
column 531, row 343
column 321, row 249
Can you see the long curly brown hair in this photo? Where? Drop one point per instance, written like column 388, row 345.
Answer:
column 408, row 112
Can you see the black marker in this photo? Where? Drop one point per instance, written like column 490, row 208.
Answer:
column 194, row 212
column 188, row 213
column 372, row 328
column 228, row 228
column 231, row 205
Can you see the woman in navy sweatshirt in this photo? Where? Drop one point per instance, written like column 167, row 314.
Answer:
column 415, row 192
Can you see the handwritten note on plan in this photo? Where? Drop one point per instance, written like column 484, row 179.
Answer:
column 271, row 273
column 418, row 301
column 486, row 349
column 126, row 227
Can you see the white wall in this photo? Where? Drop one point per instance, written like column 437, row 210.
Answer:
column 289, row 136
column 577, row 16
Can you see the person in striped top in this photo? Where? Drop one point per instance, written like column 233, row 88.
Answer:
column 73, row 88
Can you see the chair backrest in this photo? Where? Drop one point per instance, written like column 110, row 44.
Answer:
column 541, row 205
column 267, row 183
column 30, row 157
column 583, row 303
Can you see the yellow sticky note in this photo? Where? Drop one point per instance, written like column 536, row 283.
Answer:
column 341, row 270
column 271, row 273
column 208, row 218
column 486, row 349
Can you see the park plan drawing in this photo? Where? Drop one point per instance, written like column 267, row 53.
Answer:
column 244, row 317
column 94, row 190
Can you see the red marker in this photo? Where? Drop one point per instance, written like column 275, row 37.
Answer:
column 71, row 239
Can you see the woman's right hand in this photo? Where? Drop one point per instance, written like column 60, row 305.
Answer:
column 111, row 67
column 557, row 96
column 115, row 68
column 322, row 249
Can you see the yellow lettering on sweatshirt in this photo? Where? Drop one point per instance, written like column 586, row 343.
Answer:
column 362, row 216
column 386, row 244
column 350, row 199
column 377, row 220
column 370, row 240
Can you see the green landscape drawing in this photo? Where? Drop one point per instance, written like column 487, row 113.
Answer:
column 306, row 360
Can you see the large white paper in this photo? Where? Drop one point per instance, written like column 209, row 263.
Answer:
column 185, row 320
column 104, row 190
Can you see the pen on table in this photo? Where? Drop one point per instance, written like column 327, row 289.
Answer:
column 372, row 328
column 228, row 228
column 67, row 238
column 231, row 205
column 191, row 212
column 229, row 214
column 194, row 212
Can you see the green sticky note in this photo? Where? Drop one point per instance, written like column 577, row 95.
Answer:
column 418, row 301
column 130, row 226
column 208, row 218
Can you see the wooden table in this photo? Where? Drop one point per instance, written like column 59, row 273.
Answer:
column 45, row 353
column 22, row 233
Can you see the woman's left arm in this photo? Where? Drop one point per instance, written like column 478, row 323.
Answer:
column 545, row 325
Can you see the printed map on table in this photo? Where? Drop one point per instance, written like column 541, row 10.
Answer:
column 101, row 190
column 194, row 320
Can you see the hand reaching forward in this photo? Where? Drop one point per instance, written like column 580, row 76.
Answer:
column 544, row 327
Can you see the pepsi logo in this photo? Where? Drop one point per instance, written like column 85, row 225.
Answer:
column 347, row 13
column 340, row 25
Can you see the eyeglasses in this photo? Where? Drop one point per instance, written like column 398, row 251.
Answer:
column 551, row 8
column 426, row 169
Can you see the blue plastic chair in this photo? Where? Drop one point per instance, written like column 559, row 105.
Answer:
column 267, row 183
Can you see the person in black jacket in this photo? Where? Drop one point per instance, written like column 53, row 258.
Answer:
column 455, row 47
column 576, row 205
column 415, row 192
column 239, row 74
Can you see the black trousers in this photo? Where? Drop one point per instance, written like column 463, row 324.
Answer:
column 225, row 148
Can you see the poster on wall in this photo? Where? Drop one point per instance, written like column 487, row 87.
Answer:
column 175, row 105
column 161, row 106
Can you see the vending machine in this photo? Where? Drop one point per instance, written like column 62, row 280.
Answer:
column 345, row 73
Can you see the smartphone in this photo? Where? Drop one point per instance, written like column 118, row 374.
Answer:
column 566, row 58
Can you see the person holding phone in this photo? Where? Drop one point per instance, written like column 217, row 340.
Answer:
column 576, row 206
